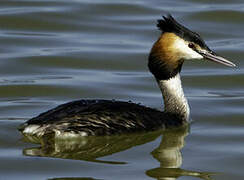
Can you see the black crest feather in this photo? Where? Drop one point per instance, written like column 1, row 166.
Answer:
column 169, row 24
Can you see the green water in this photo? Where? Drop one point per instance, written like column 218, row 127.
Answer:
column 54, row 51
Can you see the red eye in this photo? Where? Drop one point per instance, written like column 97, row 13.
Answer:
column 191, row 45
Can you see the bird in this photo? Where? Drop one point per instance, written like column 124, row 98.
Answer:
column 98, row 117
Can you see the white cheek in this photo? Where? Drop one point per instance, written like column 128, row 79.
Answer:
column 185, row 51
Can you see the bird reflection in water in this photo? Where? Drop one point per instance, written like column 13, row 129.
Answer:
column 73, row 178
column 168, row 153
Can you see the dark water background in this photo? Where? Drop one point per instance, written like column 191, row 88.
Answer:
column 54, row 51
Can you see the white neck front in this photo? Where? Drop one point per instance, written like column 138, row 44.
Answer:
column 174, row 98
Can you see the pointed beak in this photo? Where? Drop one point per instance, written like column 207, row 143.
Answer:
column 212, row 56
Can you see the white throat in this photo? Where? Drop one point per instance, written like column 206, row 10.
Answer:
column 174, row 98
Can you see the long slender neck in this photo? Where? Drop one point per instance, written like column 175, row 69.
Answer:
column 174, row 98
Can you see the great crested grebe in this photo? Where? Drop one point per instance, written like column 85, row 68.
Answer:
column 105, row 117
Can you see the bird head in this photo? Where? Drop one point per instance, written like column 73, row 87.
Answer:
column 175, row 45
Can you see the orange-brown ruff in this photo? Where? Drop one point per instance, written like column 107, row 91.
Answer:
column 165, row 50
column 104, row 117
